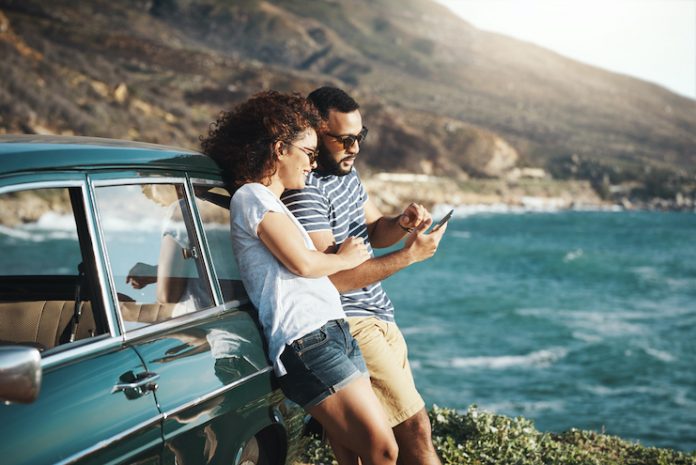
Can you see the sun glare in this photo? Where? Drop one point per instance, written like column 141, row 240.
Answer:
column 654, row 40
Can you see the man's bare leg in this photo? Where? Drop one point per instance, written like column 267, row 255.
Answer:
column 343, row 455
column 414, row 437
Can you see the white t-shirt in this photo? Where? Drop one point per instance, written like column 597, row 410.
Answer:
column 175, row 228
column 289, row 305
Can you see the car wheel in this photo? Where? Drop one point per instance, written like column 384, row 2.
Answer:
column 250, row 454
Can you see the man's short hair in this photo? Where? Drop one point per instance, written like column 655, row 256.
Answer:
column 332, row 98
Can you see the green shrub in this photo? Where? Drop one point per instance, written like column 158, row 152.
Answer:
column 483, row 438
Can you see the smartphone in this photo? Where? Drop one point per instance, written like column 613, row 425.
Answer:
column 444, row 220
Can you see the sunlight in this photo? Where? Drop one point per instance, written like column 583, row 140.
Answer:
column 653, row 40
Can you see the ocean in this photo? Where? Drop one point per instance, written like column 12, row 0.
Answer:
column 571, row 319
column 580, row 320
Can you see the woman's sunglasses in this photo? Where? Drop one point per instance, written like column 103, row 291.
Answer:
column 350, row 139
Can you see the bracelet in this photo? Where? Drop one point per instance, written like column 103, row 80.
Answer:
column 405, row 229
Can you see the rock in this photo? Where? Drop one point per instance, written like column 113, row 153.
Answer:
column 121, row 93
column 502, row 157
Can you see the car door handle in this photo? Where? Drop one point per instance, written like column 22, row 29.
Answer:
column 140, row 385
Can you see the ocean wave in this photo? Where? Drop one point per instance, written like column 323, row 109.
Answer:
column 645, row 273
column 573, row 255
column 422, row 330
column 460, row 234
column 527, row 205
column 680, row 284
column 679, row 396
column 602, row 323
column 661, row 355
column 622, row 391
column 586, row 337
column 15, row 233
column 538, row 359
column 49, row 227
column 526, row 408
column 54, row 221
column 115, row 224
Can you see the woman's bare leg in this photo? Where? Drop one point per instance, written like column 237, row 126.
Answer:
column 353, row 418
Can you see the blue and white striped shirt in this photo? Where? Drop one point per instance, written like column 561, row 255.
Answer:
column 336, row 204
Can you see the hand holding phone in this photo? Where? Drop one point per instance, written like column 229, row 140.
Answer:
column 444, row 220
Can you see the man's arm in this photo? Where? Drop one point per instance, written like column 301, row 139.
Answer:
column 385, row 231
column 417, row 247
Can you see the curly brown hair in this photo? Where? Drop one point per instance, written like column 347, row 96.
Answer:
column 241, row 141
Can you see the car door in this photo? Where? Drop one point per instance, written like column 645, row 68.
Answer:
column 94, row 406
column 214, row 386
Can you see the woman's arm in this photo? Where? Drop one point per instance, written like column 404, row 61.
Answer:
column 281, row 236
column 171, row 280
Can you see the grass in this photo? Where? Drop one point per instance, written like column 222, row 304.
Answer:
column 483, row 438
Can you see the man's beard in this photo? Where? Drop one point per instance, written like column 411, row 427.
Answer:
column 326, row 163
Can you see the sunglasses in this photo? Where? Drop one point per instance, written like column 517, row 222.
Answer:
column 312, row 154
column 350, row 139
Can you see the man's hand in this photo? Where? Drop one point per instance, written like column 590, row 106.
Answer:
column 413, row 216
column 421, row 246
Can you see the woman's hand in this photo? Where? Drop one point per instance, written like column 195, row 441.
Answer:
column 354, row 251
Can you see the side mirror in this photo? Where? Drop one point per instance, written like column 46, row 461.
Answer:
column 20, row 374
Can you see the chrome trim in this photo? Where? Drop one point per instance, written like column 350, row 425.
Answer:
column 145, row 179
column 88, row 347
column 203, row 244
column 88, row 197
column 107, row 263
column 108, row 442
column 146, row 381
column 209, row 182
column 172, row 323
column 42, row 184
column 21, row 374
column 215, row 393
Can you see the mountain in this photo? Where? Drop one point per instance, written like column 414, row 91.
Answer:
column 440, row 96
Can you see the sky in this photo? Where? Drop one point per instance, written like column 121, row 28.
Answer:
column 654, row 40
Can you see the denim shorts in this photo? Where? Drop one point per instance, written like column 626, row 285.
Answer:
column 320, row 363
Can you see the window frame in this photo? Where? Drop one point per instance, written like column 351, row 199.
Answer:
column 198, row 181
column 123, row 178
column 60, row 180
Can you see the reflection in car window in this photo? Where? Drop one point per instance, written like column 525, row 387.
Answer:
column 42, row 272
column 213, row 204
column 152, row 252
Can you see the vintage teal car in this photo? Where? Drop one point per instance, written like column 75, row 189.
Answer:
column 126, row 336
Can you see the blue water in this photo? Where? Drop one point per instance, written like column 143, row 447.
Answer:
column 574, row 320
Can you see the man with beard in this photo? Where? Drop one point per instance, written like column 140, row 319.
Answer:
column 333, row 206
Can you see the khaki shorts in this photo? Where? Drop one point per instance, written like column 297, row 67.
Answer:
column 386, row 356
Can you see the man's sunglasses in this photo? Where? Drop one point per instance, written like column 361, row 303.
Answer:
column 350, row 139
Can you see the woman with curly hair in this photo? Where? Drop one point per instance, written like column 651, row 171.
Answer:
column 264, row 146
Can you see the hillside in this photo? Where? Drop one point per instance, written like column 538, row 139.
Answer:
column 440, row 96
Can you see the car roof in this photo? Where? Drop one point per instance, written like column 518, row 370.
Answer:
column 32, row 153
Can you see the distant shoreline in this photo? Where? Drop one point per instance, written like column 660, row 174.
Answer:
column 438, row 194
column 500, row 196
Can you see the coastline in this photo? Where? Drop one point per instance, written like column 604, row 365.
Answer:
column 391, row 192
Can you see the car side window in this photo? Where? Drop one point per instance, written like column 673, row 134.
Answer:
column 152, row 251
column 213, row 204
column 46, row 279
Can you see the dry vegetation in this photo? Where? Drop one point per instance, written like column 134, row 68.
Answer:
column 440, row 96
